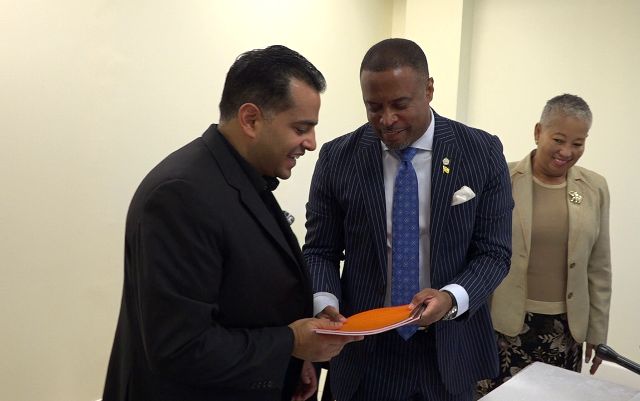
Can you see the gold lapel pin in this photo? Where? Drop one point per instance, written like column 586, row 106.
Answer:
column 575, row 197
column 445, row 165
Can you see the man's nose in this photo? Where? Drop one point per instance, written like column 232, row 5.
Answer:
column 310, row 142
column 388, row 118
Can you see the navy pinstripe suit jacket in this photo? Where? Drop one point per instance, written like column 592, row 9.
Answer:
column 470, row 242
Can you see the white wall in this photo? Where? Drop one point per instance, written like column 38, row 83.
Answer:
column 94, row 93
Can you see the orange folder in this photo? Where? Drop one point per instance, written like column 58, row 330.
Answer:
column 374, row 321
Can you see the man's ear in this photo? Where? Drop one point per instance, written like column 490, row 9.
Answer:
column 249, row 118
column 430, row 89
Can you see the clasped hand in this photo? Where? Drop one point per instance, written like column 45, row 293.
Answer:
column 438, row 303
column 311, row 346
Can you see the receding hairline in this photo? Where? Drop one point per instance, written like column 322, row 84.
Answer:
column 395, row 53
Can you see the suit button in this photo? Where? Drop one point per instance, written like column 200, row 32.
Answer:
column 570, row 295
column 572, row 265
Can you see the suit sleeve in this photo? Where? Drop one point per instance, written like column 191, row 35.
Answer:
column 324, row 242
column 489, row 253
column 599, row 274
column 178, row 280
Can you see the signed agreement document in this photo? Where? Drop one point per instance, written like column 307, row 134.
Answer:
column 375, row 321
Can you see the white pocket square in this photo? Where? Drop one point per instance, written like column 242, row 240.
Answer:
column 462, row 195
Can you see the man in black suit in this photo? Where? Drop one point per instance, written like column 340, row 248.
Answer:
column 216, row 296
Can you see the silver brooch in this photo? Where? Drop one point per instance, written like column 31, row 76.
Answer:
column 575, row 197
column 289, row 217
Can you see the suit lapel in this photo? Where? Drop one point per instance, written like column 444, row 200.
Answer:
column 249, row 197
column 575, row 183
column 371, row 180
column 443, row 185
column 522, row 192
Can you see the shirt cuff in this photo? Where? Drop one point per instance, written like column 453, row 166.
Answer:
column 323, row 299
column 461, row 295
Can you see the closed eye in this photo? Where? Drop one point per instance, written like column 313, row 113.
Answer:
column 302, row 128
column 401, row 105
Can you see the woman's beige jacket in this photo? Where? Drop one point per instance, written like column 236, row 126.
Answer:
column 588, row 260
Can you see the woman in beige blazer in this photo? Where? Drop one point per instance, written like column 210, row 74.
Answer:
column 557, row 293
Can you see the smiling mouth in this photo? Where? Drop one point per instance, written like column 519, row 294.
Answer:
column 393, row 132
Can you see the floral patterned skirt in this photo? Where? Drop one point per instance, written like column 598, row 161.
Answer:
column 544, row 338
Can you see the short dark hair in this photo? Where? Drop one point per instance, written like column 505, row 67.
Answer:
column 394, row 53
column 568, row 105
column 262, row 77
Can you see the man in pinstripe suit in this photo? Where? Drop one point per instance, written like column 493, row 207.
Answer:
column 464, row 236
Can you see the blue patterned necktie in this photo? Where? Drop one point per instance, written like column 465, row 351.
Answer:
column 405, row 237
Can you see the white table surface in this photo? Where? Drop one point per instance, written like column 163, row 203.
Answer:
column 540, row 381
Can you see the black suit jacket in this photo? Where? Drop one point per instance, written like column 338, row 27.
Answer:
column 211, row 281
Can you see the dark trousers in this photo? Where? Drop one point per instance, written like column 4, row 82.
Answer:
column 402, row 370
